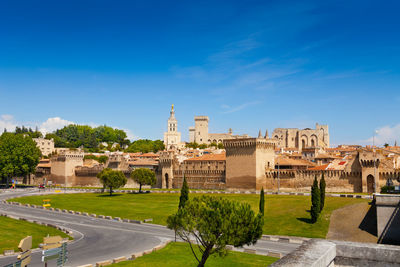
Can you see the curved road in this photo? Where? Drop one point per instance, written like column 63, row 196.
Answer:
column 100, row 239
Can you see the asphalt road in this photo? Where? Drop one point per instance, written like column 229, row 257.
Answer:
column 101, row 239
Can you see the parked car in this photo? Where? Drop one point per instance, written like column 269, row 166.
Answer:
column 42, row 186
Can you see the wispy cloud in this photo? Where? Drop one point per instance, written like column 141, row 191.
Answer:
column 52, row 124
column 229, row 109
column 7, row 122
column 386, row 134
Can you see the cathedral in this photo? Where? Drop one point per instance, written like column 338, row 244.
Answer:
column 172, row 138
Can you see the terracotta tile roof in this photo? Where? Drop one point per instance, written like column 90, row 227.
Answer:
column 283, row 161
column 319, row 168
column 327, row 156
column 150, row 154
column 209, row 157
column 143, row 162
column 44, row 165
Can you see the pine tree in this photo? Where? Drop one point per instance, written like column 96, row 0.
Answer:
column 262, row 202
column 322, row 186
column 315, row 201
column 184, row 194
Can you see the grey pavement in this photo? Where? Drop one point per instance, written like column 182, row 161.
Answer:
column 101, row 239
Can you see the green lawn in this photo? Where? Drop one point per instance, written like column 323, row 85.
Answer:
column 15, row 230
column 179, row 254
column 284, row 215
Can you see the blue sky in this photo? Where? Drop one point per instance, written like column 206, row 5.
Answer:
column 248, row 65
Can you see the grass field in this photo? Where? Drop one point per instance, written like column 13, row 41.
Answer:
column 15, row 230
column 179, row 254
column 284, row 215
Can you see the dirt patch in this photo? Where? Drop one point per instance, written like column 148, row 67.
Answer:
column 351, row 223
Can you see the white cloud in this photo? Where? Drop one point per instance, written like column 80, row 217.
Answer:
column 7, row 122
column 229, row 109
column 386, row 134
column 130, row 135
column 52, row 124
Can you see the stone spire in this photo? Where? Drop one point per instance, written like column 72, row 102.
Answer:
column 395, row 142
column 266, row 134
column 259, row 134
column 172, row 112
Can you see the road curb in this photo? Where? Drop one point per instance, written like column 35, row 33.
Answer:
column 275, row 238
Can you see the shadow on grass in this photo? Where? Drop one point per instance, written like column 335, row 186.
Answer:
column 306, row 220
column 136, row 193
column 108, row 195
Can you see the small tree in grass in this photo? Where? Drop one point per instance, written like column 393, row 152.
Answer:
column 315, row 201
column 143, row 176
column 214, row 223
column 184, row 194
column 112, row 179
column 322, row 186
column 262, row 202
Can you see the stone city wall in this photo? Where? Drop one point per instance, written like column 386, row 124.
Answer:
column 200, row 179
column 302, row 180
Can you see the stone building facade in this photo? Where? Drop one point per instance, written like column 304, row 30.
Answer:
column 206, row 172
column 172, row 138
column 199, row 133
column 46, row 146
column 306, row 138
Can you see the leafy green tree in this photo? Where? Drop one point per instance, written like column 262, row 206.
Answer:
column 112, row 179
column 262, row 201
column 143, row 176
column 19, row 155
column 322, row 186
column 213, row 144
column 221, row 146
column 203, row 146
column 193, row 145
column 145, row 146
column 184, row 194
column 102, row 159
column 315, row 201
column 216, row 222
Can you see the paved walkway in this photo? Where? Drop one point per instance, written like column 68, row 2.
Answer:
column 348, row 224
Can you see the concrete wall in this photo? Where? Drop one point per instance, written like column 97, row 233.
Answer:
column 323, row 253
column 388, row 218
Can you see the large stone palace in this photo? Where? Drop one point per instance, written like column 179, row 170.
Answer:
column 287, row 160
column 199, row 133
column 299, row 139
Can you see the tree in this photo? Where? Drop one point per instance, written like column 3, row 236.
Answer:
column 221, row 146
column 145, row 146
column 216, row 222
column 202, row 146
column 315, row 201
column 184, row 194
column 322, row 186
column 386, row 145
column 143, row 176
column 19, row 155
column 262, row 201
column 112, row 179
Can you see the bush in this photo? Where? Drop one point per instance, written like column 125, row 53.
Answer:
column 388, row 190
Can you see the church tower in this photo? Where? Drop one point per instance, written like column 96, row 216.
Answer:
column 172, row 138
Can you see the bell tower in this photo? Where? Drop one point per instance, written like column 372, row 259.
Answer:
column 172, row 138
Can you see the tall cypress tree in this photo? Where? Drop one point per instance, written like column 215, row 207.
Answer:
column 322, row 186
column 315, row 201
column 184, row 194
column 262, row 202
